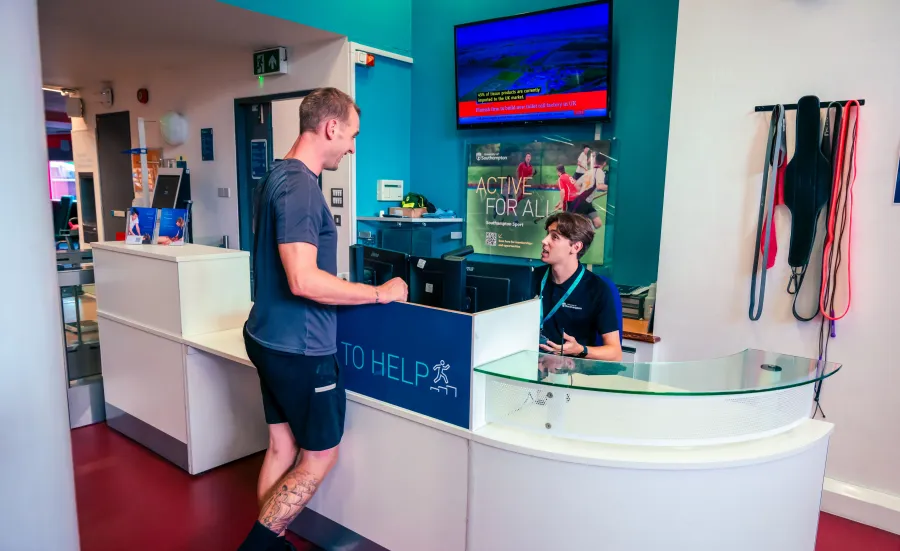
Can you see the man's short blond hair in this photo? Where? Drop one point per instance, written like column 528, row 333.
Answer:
column 324, row 104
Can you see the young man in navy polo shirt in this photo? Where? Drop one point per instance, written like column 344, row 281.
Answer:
column 578, row 316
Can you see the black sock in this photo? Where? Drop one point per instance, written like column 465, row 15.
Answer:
column 260, row 538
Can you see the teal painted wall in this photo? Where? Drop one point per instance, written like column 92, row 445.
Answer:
column 383, row 144
column 384, row 24
column 644, row 57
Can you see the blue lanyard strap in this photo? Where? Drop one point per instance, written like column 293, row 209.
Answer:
column 562, row 300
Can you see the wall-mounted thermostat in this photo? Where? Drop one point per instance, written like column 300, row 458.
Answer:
column 390, row 190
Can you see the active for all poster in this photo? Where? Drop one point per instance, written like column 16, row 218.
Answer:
column 512, row 189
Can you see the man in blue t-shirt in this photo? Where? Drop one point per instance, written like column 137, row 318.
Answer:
column 291, row 334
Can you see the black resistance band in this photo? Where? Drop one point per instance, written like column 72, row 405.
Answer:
column 766, row 206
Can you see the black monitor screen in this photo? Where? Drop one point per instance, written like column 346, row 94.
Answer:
column 438, row 282
column 491, row 285
column 374, row 266
column 166, row 192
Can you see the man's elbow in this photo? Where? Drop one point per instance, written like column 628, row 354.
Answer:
column 617, row 354
column 302, row 287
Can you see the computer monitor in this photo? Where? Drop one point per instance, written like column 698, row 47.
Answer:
column 438, row 282
column 374, row 266
column 491, row 285
column 165, row 192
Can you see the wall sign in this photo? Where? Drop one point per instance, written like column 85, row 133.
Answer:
column 259, row 158
column 206, row 144
column 405, row 362
column 271, row 61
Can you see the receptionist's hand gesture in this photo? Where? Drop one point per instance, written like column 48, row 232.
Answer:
column 394, row 290
column 570, row 347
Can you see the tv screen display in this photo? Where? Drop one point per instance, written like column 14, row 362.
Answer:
column 549, row 66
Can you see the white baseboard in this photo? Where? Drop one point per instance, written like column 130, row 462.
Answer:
column 862, row 505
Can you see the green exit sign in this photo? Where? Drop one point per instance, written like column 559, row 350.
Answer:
column 270, row 62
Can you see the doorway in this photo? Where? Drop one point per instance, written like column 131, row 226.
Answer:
column 116, row 180
column 256, row 147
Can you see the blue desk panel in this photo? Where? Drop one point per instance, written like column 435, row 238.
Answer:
column 413, row 357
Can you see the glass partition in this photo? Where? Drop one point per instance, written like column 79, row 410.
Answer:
column 749, row 371
column 745, row 396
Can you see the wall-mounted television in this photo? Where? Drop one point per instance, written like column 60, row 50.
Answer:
column 549, row 66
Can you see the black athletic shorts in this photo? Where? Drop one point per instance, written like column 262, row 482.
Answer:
column 582, row 206
column 306, row 392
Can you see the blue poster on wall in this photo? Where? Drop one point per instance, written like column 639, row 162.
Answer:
column 392, row 353
column 206, row 144
column 259, row 158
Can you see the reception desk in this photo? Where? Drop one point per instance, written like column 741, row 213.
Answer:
column 460, row 436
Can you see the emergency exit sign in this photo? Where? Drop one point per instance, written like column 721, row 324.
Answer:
column 270, row 62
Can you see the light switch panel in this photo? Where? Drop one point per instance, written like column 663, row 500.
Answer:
column 337, row 197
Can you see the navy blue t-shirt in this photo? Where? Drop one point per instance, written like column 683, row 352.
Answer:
column 588, row 313
column 290, row 208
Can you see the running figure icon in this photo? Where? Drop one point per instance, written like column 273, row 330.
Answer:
column 441, row 368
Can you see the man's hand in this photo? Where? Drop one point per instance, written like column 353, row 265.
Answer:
column 394, row 290
column 570, row 346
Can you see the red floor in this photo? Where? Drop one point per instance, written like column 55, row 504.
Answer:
column 129, row 498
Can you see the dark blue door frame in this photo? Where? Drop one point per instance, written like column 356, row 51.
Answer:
column 242, row 137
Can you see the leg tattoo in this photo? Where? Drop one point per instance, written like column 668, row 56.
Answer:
column 291, row 494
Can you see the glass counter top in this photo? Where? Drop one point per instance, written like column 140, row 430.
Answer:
column 746, row 372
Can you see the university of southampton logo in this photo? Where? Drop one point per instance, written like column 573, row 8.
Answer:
column 442, row 369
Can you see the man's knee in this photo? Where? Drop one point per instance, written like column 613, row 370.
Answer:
column 320, row 460
column 281, row 441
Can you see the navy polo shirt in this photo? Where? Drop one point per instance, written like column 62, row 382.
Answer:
column 290, row 208
column 588, row 313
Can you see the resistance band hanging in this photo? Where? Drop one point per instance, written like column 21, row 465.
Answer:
column 840, row 217
column 765, row 225
column 807, row 191
column 778, row 199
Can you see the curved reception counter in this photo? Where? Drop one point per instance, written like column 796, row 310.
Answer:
column 461, row 436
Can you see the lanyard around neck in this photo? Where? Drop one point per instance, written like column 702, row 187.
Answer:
column 561, row 300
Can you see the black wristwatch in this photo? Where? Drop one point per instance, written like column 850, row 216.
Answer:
column 583, row 353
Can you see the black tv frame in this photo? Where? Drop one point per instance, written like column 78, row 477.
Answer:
column 541, row 122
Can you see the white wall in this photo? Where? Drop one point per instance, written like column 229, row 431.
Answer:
column 206, row 97
column 37, row 502
column 285, row 125
column 731, row 56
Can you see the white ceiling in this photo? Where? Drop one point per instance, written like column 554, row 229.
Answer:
column 91, row 40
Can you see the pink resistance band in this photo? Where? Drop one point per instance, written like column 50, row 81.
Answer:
column 840, row 218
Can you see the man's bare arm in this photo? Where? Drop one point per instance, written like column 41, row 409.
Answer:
column 308, row 281
column 610, row 351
